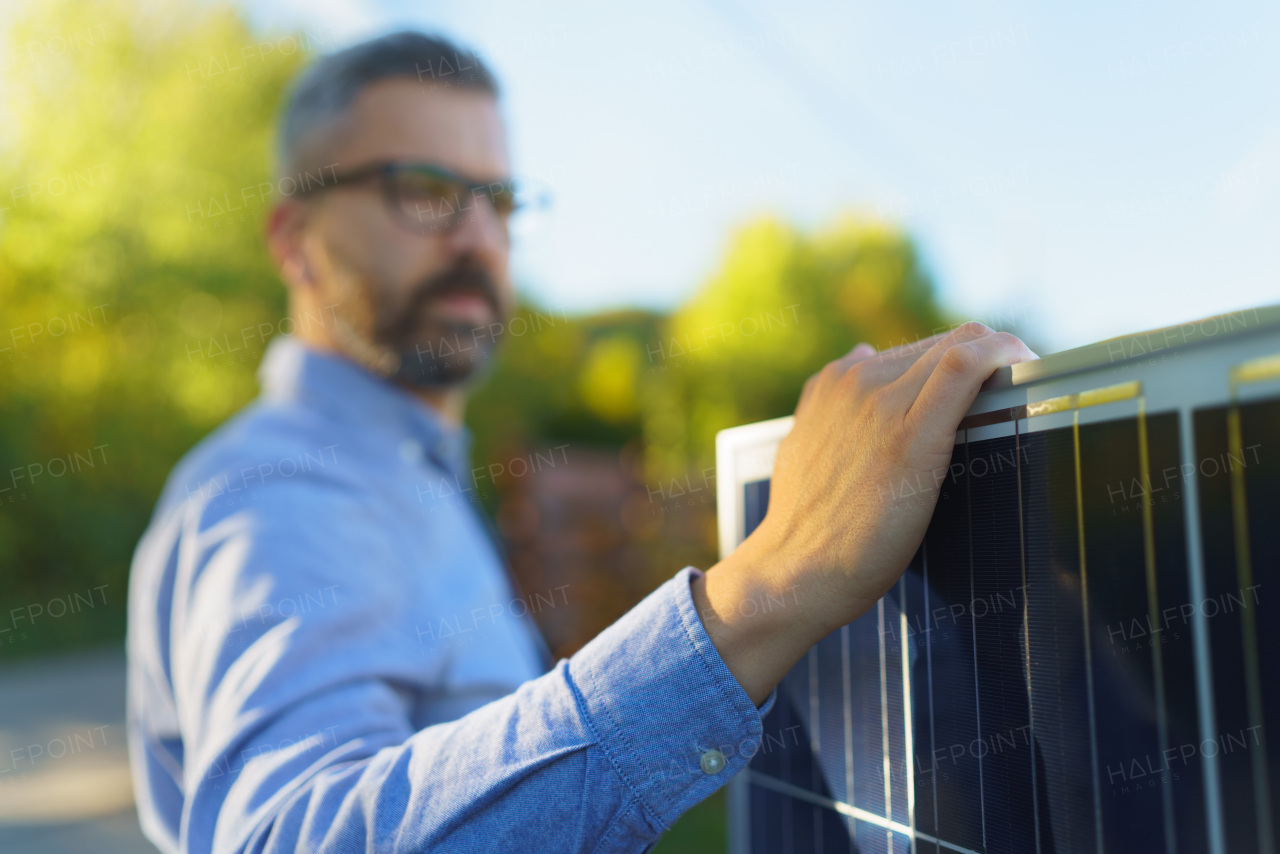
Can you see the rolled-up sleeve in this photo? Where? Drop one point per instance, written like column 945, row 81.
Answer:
column 296, row 733
column 660, row 700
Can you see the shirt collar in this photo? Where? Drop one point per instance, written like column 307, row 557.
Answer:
column 294, row 371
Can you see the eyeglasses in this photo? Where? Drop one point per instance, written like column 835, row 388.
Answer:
column 425, row 198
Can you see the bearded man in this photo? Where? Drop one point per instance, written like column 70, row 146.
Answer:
column 292, row 684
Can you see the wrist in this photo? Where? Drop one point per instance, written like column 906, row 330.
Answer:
column 763, row 610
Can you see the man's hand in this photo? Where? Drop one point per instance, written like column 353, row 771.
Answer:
column 853, row 489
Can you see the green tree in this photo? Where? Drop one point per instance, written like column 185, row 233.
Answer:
column 782, row 305
column 136, row 294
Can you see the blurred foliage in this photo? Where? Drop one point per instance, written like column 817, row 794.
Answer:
column 783, row 304
column 700, row 830
column 562, row 378
column 131, row 176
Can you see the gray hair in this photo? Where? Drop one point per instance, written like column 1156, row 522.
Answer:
column 323, row 92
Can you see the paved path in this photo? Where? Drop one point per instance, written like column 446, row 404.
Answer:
column 64, row 770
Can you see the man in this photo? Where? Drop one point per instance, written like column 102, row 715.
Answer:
column 294, row 680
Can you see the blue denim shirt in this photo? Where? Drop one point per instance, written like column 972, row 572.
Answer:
column 326, row 655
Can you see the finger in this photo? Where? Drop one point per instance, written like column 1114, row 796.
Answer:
column 909, row 375
column 911, row 351
column 892, row 364
column 957, row 377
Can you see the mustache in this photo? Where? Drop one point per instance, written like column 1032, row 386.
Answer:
column 460, row 279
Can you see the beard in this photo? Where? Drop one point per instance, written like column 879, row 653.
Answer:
column 409, row 341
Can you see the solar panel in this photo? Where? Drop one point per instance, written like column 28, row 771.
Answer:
column 1084, row 654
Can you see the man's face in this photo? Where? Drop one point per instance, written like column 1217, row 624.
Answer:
column 413, row 298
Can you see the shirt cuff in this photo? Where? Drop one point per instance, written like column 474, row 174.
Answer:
column 661, row 703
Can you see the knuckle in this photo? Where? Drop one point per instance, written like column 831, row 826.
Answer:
column 957, row 361
column 858, row 379
column 973, row 329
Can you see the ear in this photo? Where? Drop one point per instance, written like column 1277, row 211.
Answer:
column 285, row 232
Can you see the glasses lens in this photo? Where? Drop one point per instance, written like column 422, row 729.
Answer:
column 503, row 196
column 426, row 201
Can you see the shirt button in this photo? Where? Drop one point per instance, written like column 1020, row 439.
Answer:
column 410, row 451
column 712, row 762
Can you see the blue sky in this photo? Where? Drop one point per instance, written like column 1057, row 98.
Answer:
column 1089, row 171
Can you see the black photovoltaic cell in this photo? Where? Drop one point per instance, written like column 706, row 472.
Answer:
column 1260, row 473
column 995, row 605
column 1060, row 718
column 952, row 768
column 791, row 826
column 912, row 596
column 1046, row 634
column 1234, row 608
column 1123, row 653
column 755, row 500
